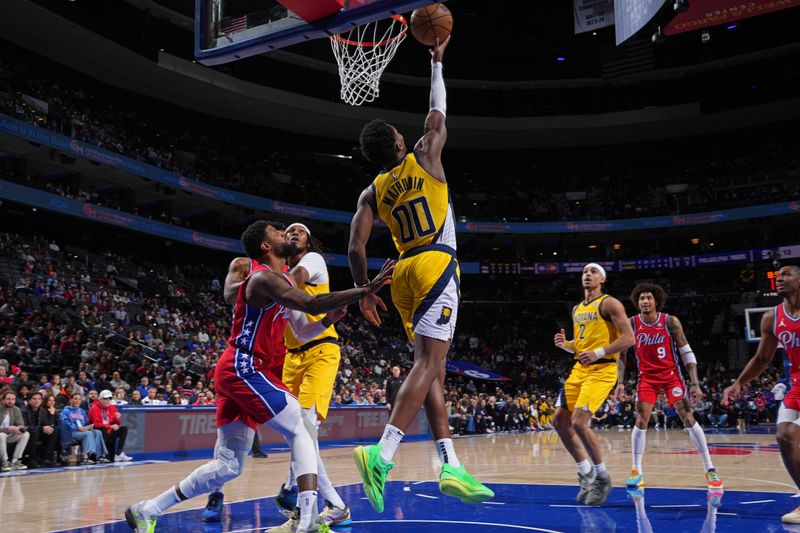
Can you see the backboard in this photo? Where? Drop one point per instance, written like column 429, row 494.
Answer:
column 752, row 319
column 228, row 30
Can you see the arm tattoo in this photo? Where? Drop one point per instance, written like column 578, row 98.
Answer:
column 676, row 330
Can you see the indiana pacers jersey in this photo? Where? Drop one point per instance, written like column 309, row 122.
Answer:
column 415, row 205
column 591, row 330
column 317, row 283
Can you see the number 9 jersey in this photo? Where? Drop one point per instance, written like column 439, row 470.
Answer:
column 425, row 286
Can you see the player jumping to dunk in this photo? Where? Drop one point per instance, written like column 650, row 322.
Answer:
column 601, row 332
column 659, row 338
column 781, row 326
column 411, row 196
column 249, row 394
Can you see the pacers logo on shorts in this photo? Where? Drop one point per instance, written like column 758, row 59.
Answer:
column 445, row 317
column 677, row 392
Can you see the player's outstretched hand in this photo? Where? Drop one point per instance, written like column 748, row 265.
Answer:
column 730, row 393
column 384, row 277
column 369, row 305
column 560, row 339
column 437, row 52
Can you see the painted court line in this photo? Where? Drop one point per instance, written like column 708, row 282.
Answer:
column 757, row 501
column 426, row 496
column 674, row 506
column 510, row 526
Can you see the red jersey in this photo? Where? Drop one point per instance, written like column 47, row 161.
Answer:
column 257, row 332
column 787, row 329
column 655, row 349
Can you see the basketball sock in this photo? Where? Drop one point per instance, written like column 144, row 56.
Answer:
column 584, row 467
column 600, row 468
column 390, row 441
column 307, row 502
column 325, row 485
column 638, row 438
column 161, row 503
column 447, row 453
column 699, row 441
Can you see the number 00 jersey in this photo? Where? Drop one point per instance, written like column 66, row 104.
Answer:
column 591, row 330
column 415, row 206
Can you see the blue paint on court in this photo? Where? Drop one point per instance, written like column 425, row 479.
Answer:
column 421, row 508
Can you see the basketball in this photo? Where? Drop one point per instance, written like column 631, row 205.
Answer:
column 428, row 23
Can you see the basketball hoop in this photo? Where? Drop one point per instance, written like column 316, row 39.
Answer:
column 363, row 53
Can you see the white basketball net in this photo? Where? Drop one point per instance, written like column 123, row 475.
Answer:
column 363, row 53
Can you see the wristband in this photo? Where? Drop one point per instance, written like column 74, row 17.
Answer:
column 600, row 352
column 687, row 355
column 360, row 286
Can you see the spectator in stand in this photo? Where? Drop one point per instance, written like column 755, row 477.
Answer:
column 43, row 429
column 104, row 416
column 75, row 420
column 153, row 398
column 178, row 399
column 12, row 431
column 144, row 386
column 117, row 383
column 136, row 398
column 120, row 398
column 23, row 392
column 600, row 418
column 392, row 386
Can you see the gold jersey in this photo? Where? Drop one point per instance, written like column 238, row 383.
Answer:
column 591, row 330
column 317, row 283
column 415, row 206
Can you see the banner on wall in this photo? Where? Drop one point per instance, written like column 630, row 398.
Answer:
column 471, row 370
column 717, row 12
column 630, row 16
column 77, row 148
column 180, row 430
column 591, row 15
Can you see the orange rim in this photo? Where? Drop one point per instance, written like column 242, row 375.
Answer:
column 398, row 18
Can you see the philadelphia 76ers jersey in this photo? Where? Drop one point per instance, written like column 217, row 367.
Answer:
column 787, row 330
column 655, row 349
column 257, row 332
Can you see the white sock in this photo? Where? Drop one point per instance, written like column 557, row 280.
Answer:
column 447, row 453
column 600, row 468
column 638, row 438
column 307, row 502
column 161, row 503
column 390, row 441
column 699, row 441
column 584, row 467
column 325, row 485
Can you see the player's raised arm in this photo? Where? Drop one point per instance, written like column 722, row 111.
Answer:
column 360, row 230
column 613, row 310
column 759, row 362
column 237, row 272
column 266, row 287
column 429, row 147
column 687, row 355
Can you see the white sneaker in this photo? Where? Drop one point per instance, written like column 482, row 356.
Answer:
column 336, row 517
column 122, row 457
column 16, row 464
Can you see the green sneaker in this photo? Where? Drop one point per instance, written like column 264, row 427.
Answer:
column 373, row 470
column 138, row 521
column 459, row 483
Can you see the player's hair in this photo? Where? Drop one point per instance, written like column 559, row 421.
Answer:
column 315, row 245
column 378, row 143
column 658, row 292
column 253, row 236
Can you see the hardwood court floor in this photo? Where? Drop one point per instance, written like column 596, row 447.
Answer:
column 89, row 496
